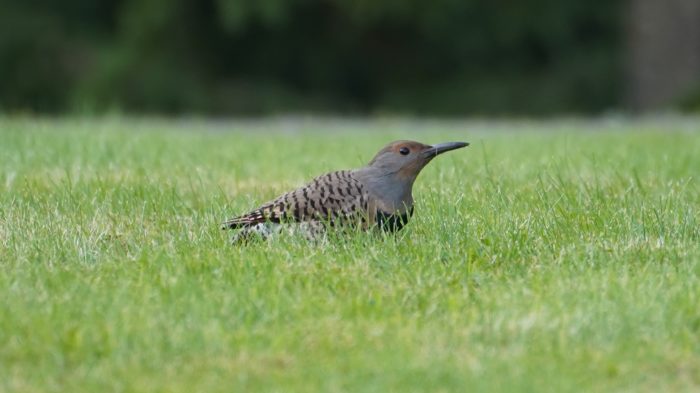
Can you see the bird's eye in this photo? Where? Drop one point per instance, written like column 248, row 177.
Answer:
column 404, row 151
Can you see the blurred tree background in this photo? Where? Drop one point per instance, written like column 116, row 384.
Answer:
column 440, row 57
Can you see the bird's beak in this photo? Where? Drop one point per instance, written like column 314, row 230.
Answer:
column 440, row 148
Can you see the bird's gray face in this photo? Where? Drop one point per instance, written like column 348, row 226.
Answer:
column 407, row 158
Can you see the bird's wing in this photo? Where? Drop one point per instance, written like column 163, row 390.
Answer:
column 335, row 195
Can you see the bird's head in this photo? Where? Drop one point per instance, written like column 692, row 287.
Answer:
column 405, row 159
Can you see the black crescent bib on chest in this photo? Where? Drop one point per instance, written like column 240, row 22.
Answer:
column 393, row 222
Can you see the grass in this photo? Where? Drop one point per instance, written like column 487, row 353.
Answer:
column 560, row 256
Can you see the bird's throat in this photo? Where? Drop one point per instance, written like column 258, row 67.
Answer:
column 392, row 193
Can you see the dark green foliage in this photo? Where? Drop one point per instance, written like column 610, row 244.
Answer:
column 262, row 56
column 690, row 102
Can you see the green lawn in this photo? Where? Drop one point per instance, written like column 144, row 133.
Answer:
column 560, row 256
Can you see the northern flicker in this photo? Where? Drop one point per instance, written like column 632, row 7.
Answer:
column 378, row 195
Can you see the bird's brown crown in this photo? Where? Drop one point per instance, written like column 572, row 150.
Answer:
column 400, row 148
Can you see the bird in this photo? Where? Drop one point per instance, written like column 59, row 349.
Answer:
column 378, row 195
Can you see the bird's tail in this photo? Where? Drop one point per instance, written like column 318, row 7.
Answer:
column 246, row 221
column 235, row 223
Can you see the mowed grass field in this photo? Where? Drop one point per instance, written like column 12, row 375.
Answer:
column 559, row 256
